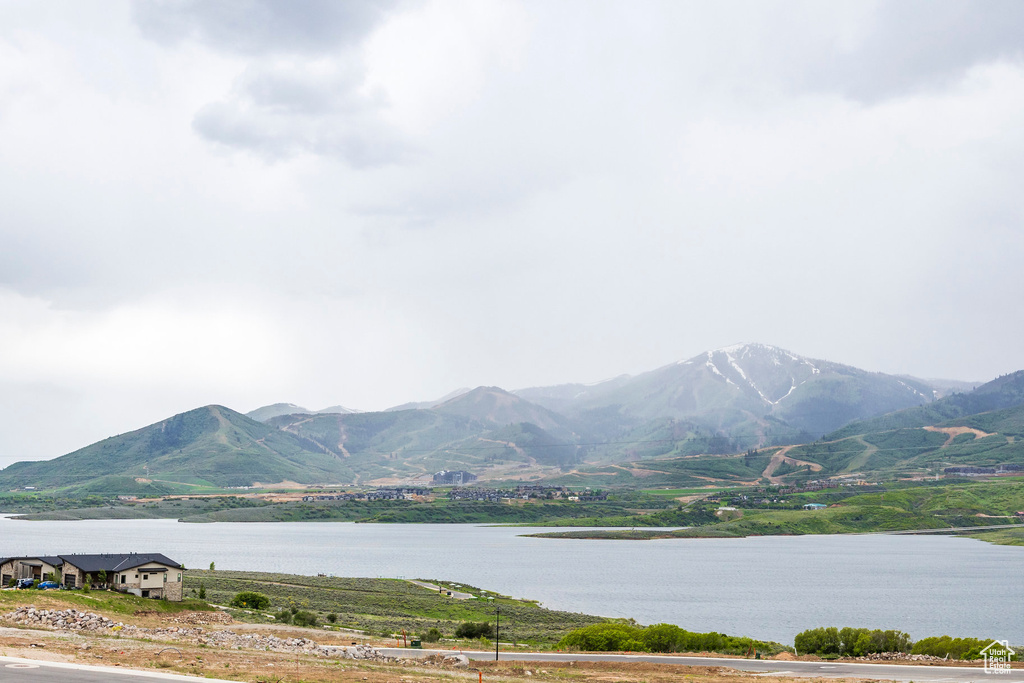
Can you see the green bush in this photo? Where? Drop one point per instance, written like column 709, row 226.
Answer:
column 599, row 637
column 659, row 638
column 250, row 600
column 850, row 642
column 202, row 591
column 956, row 648
column 284, row 617
column 431, row 636
column 301, row 618
column 332, row 617
column 473, row 629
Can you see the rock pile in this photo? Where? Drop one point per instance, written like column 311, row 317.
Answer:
column 202, row 618
column 73, row 620
column 437, row 659
column 68, row 619
column 898, row 656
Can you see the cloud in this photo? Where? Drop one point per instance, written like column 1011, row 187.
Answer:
column 255, row 27
column 909, row 45
column 301, row 91
column 283, row 108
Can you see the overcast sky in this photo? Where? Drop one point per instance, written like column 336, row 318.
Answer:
column 366, row 203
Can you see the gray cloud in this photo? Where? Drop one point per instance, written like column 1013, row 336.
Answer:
column 254, row 27
column 914, row 44
column 309, row 102
column 278, row 111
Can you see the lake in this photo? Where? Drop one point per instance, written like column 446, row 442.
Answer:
column 767, row 587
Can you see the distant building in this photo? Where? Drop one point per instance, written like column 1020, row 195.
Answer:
column 814, row 506
column 453, row 478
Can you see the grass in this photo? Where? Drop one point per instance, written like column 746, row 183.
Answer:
column 110, row 602
column 388, row 605
column 1000, row 536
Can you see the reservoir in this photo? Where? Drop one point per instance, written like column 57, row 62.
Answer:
column 768, row 587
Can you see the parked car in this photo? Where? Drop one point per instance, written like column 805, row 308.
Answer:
column 49, row 584
column 24, row 583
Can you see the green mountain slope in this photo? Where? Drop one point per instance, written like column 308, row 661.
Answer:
column 409, row 443
column 1003, row 392
column 987, row 440
column 212, row 445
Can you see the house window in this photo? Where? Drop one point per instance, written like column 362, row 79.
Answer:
column 165, row 578
column 179, row 577
column 145, row 576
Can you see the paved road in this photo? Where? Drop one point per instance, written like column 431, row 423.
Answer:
column 766, row 667
column 15, row 670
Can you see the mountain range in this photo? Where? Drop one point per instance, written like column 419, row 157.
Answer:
column 723, row 401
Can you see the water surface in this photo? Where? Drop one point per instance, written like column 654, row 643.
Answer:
column 767, row 587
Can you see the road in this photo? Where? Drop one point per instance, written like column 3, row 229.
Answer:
column 766, row 667
column 458, row 595
column 15, row 670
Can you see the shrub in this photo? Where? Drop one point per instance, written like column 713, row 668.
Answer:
column 599, row 637
column 431, row 636
column 956, row 648
column 332, row 617
column 250, row 600
column 284, row 616
column 659, row 638
column 850, row 642
column 473, row 629
column 302, row 618
column 202, row 591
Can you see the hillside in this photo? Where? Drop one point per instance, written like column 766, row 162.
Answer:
column 993, row 439
column 1003, row 392
column 212, row 445
column 497, row 407
column 265, row 413
column 410, row 443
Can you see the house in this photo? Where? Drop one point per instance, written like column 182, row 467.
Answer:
column 149, row 575
column 38, row 568
column 814, row 506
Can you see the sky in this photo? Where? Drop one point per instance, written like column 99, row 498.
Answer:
column 245, row 202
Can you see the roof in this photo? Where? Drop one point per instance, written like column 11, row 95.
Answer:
column 115, row 562
column 51, row 560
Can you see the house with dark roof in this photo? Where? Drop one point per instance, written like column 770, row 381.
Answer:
column 38, row 568
column 150, row 575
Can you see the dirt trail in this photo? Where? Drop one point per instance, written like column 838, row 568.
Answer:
column 953, row 432
column 781, row 457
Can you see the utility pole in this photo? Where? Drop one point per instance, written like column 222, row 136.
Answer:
column 497, row 629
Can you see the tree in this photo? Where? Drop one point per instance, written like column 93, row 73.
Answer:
column 202, row 591
column 213, row 566
column 250, row 600
column 102, row 576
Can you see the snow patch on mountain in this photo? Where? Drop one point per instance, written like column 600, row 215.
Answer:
column 714, row 368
